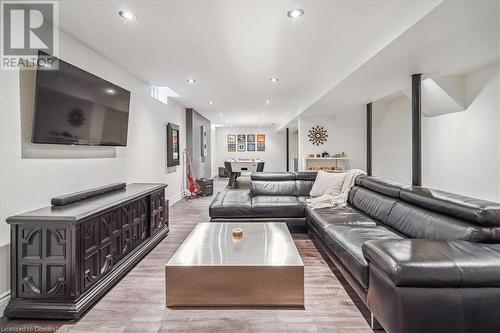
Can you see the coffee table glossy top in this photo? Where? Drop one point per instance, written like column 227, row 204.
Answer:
column 212, row 244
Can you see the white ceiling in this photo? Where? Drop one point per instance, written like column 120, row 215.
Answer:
column 454, row 39
column 232, row 48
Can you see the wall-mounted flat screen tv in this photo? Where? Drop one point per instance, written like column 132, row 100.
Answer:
column 75, row 107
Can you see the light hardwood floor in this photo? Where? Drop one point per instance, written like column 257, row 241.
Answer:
column 137, row 302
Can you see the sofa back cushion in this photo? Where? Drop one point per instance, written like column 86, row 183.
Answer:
column 327, row 183
column 272, row 184
column 281, row 183
column 419, row 212
column 480, row 212
column 272, row 176
column 381, row 186
column 417, row 222
column 272, row 188
column 373, row 204
column 304, row 182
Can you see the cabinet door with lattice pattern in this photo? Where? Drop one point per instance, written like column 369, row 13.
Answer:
column 157, row 211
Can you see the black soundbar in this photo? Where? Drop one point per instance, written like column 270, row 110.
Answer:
column 67, row 199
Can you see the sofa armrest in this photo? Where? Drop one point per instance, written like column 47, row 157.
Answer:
column 431, row 263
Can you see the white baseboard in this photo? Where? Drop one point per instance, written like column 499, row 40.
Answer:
column 4, row 299
column 175, row 198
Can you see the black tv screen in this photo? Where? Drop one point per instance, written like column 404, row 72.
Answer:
column 75, row 107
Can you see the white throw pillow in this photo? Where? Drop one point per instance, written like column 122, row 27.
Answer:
column 327, row 183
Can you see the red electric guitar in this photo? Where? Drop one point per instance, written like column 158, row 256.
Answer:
column 193, row 187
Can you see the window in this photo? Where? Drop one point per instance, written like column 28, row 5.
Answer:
column 162, row 93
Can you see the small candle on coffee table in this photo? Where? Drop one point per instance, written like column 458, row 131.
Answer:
column 237, row 233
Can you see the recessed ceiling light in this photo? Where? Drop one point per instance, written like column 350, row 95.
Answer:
column 127, row 15
column 274, row 79
column 220, row 114
column 295, row 13
column 110, row 91
column 262, row 114
column 211, row 102
column 191, row 81
column 268, row 102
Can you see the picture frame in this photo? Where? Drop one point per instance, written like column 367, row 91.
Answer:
column 242, row 138
column 251, row 146
column 173, row 150
column 261, row 138
column 231, row 138
column 204, row 141
column 231, row 147
column 250, row 137
column 261, row 146
column 241, row 147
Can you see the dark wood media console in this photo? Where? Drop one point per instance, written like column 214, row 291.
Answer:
column 64, row 258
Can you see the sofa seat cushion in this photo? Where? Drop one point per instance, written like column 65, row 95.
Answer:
column 278, row 206
column 231, row 203
column 346, row 243
column 319, row 219
column 431, row 263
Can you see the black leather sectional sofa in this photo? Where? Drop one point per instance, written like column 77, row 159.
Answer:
column 422, row 260
column 271, row 197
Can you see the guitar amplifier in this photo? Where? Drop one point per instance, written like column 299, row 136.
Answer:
column 207, row 186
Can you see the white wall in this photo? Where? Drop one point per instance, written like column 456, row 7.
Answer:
column 202, row 166
column 29, row 183
column 391, row 135
column 213, row 144
column 274, row 156
column 346, row 133
column 460, row 151
column 294, row 147
column 146, row 156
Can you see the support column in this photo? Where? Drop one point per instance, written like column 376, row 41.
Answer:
column 369, row 139
column 416, row 127
column 287, row 149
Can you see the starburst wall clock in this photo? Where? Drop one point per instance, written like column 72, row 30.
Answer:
column 317, row 135
column 75, row 117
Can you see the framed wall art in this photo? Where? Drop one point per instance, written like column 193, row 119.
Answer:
column 231, row 147
column 173, row 153
column 204, row 141
column 241, row 147
column 261, row 146
column 261, row 138
column 231, row 138
column 242, row 138
column 250, row 137
column 251, row 146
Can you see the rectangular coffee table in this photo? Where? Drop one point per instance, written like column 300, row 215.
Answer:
column 210, row 268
